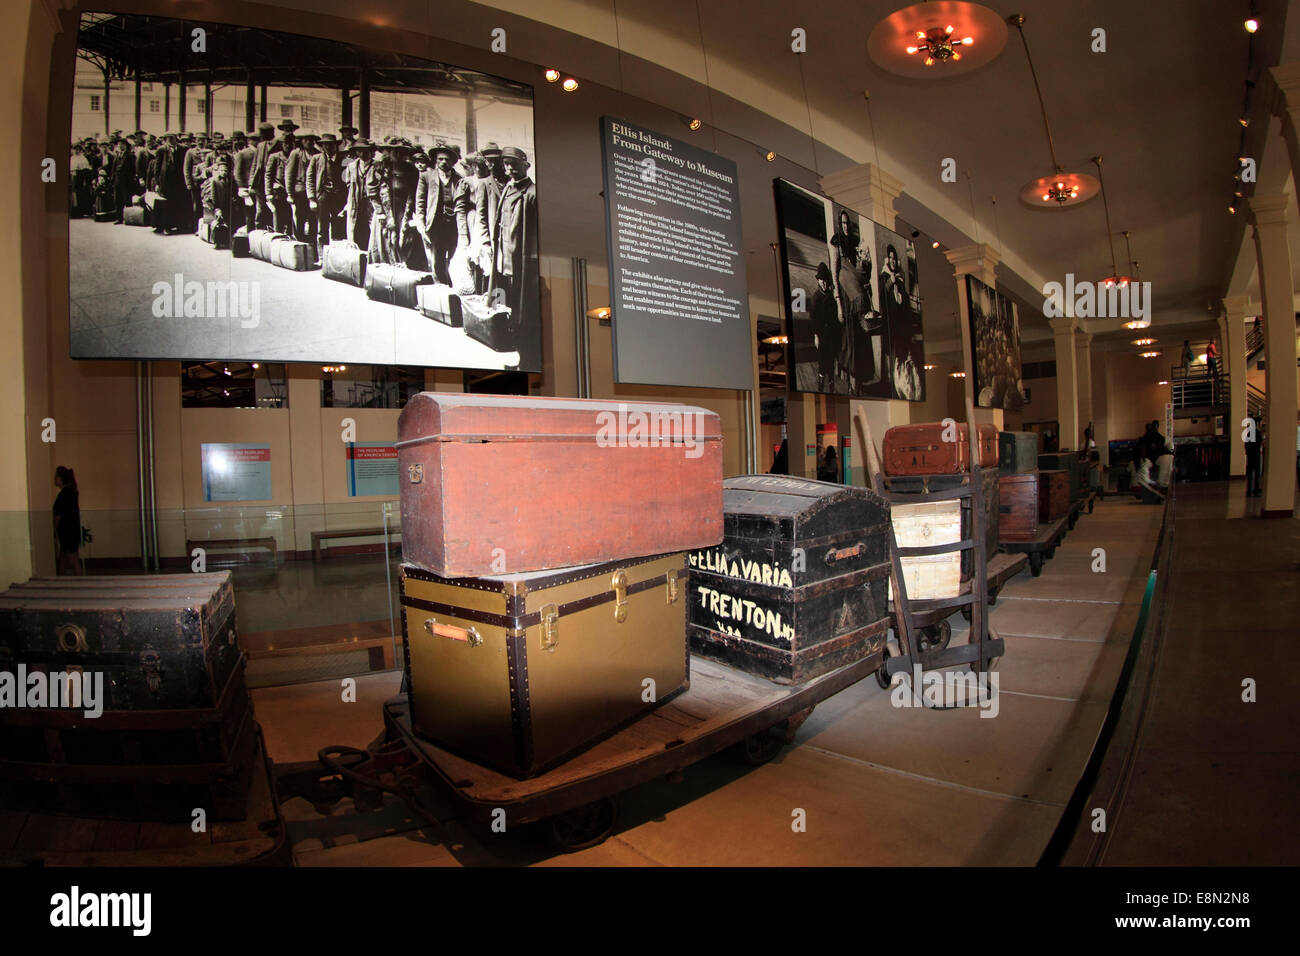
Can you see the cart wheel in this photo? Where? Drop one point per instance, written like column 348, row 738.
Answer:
column 882, row 678
column 757, row 749
column 934, row 638
column 1035, row 563
column 582, row 827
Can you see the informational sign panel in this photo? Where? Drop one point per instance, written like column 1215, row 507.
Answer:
column 676, row 263
column 236, row 472
column 372, row 468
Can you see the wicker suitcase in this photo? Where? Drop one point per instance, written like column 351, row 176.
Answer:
column 922, row 450
column 521, row 671
column 798, row 586
column 1018, row 507
column 492, row 485
column 1018, row 452
column 1053, row 495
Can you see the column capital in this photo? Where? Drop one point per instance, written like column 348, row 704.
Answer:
column 1063, row 325
column 1269, row 209
column 865, row 188
column 979, row 260
column 1286, row 77
column 1237, row 306
column 1082, row 339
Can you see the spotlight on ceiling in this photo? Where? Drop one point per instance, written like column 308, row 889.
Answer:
column 692, row 123
column 956, row 374
column 1232, row 207
column 929, row 366
column 935, row 244
column 552, row 76
column 915, row 233
column 569, row 84
column 767, row 154
column 1251, row 24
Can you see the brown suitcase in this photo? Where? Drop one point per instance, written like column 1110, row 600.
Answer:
column 1053, row 495
column 496, row 485
column 921, row 449
column 1018, row 507
column 521, row 671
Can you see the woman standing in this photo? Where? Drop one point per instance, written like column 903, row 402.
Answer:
column 67, row 521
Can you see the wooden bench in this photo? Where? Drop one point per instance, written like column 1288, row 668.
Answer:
column 318, row 536
column 230, row 544
column 370, row 636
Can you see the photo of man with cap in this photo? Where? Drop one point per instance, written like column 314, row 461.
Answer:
column 514, row 251
column 435, row 210
column 327, row 193
column 277, row 186
column 356, row 175
column 257, row 186
column 194, row 158
column 304, row 217
column 476, row 202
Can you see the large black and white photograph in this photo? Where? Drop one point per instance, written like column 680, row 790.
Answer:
column 854, row 300
column 995, row 338
column 286, row 198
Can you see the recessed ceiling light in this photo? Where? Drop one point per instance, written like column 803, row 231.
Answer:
column 1154, row 353
column 929, row 367
column 1163, row 381
column 1144, row 341
column 569, row 84
column 1251, row 24
column 552, row 76
column 956, row 374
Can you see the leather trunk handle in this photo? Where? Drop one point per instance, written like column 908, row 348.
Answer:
column 844, row 553
column 469, row 635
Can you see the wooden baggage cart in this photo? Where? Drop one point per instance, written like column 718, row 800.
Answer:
column 1042, row 546
column 573, row 802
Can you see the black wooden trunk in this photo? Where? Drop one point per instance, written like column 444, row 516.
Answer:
column 177, row 731
column 799, row 584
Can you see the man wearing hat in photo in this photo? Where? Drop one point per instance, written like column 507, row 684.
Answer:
column 356, row 174
column 125, row 184
column 143, row 155
column 219, row 192
column 276, row 179
column 327, row 193
column 262, row 214
column 194, row 160
column 241, row 170
column 393, row 236
column 514, row 254
column 435, row 210
column 492, row 153
column 476, row 210
column 827, row 326
column 347, row 136
column 304, row 217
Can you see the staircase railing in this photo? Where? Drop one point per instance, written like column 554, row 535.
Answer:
column 1194, row 387
column 1254, row 401
column 1254, row 339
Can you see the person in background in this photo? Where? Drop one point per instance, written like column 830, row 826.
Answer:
column 1254, row 451
column 781, row 463
column 67, row 521
column 1095, row 482
column 1212, row 359
column 1188, row 355
column 828, row 469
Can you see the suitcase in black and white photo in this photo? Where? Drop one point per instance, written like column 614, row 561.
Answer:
column 494, row 326
column 395, row 285
column 289, row 253
column 214, row 233
column 135, row 215
column 239, row 243
column 345, row 262
column 440, row 303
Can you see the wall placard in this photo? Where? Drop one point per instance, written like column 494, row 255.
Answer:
column 236, row 472
column 676, row 263
column 372, row 468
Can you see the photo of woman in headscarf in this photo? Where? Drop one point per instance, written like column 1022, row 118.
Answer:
column 845, row 255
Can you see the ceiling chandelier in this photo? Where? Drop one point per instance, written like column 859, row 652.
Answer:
column 1061, row 189
column 1115, row 278
column 938, row 44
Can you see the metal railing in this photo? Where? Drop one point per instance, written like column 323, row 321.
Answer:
column 1254, row 339
column 1254, row 401
column 1194, row 387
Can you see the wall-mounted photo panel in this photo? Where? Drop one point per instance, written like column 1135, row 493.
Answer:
column 257, row 200
column 853, row 300
column 995, row 338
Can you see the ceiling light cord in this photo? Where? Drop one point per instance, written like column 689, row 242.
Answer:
column 808, row 107
column 1110, row 238
column 1019, row 23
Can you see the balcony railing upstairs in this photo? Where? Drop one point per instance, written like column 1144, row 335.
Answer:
column 1194, row 387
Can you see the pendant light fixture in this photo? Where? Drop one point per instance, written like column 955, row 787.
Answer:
column 1116, row 277
column 1061, row 189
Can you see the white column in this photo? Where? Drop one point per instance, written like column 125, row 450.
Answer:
column 979, row 260
column 1083, row 383
column 869, row 191
column 1236, row 310
column 1268, row 213
column 1067, row 386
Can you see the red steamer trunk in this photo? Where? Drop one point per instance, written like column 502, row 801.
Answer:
column 921, row 450
column 500, row 485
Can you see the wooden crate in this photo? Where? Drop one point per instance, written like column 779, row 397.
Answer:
column 933, row 576
column 1018, row 507
column 1053, row 495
